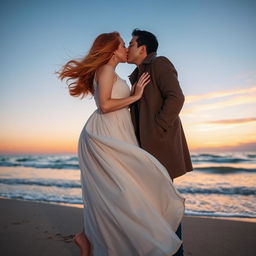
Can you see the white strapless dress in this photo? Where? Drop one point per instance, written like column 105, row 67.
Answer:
column 131, row 206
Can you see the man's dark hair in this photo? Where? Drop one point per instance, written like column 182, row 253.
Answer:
column 146, row 38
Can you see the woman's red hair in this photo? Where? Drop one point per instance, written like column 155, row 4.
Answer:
column 83, row 71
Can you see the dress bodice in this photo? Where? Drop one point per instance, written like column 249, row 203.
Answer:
column 120, row 90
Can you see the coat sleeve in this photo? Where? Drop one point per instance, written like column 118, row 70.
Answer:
column 173, row 98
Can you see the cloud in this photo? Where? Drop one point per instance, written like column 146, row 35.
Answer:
column 246, row 97
column 213, row 95
column 241, row 147
column 232, row 121
column 248, row 76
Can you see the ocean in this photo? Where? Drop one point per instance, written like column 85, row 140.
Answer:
column 221, row 185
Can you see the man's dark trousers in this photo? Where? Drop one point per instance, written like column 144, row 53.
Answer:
column 180, row 251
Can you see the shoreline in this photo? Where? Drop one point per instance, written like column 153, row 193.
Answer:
column 37, row 228
column 243, row 219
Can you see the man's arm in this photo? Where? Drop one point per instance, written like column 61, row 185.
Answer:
column 173, row 98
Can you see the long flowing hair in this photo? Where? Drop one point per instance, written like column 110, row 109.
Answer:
column 82, row 71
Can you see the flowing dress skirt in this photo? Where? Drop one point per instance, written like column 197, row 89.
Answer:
column 131, row 206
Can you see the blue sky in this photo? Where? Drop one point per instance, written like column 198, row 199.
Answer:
column 211, row 44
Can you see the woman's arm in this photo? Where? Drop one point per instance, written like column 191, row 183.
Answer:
column 106, row 77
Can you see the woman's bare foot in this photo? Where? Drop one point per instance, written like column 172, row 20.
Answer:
column 83, row 243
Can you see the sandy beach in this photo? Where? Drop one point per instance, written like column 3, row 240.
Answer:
column 32, row 228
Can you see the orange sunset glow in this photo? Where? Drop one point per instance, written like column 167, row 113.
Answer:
column 213, row 121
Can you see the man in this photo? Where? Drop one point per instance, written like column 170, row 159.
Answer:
column 156, row 115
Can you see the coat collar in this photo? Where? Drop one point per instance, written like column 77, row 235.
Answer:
column 149, row 58
column 133, row 76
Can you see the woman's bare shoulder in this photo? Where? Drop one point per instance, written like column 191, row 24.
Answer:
column 105, row 72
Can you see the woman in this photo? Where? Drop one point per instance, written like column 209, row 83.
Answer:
column 130, row 204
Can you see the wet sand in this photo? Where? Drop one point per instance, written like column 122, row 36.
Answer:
column 34, row 229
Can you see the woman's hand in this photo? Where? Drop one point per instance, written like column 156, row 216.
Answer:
column 105, row 85
column 138, row 87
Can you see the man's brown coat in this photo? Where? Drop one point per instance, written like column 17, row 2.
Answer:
column 156, row 115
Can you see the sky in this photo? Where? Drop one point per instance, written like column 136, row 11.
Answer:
column 210, row 43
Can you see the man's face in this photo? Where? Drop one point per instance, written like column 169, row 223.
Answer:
column 133, row 51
